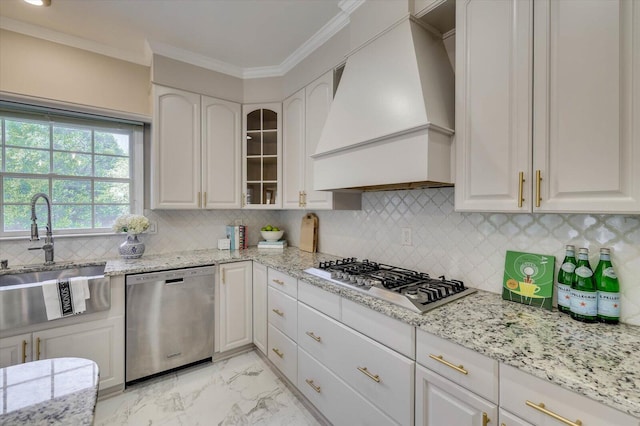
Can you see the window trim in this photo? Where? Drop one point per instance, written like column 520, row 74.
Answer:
column 136, row 171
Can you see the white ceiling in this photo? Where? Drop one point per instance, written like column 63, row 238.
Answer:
column 246, row 38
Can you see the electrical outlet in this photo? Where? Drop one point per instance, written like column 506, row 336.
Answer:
column 406, row 236
column 153, row 227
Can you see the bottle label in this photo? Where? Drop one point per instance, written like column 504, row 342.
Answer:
column 584, row 272
column 609, row 304
column 564, row 295
column 584, row 302
column 568, row 267
column 609, row 272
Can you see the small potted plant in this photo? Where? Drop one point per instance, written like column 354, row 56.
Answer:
column 132, row 224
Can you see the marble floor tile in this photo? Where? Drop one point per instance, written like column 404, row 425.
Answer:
column 239, row 391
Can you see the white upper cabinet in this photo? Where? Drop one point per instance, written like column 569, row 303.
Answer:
column 586, row 117
column 195, row 151
column 293, row 153
column 262, row 154
column 305, row 113
column 221, row 153
column 175, row 149
column 544, row 117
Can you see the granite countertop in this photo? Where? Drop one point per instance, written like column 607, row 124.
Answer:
column 599, row 361
column 59, row 390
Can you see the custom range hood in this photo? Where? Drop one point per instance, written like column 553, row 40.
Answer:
column 391, row 122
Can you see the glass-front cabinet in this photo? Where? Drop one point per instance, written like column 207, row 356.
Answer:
column 262, row 153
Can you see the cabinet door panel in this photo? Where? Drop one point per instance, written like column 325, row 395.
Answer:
column 493, row 104
column 15, row 350
column 293, row 137
column 283, row 353
column 508, row 419
column 100, row 341
column 319, row 96
column 221, row 156
column 260, row 306
column 586, row 128
column 175, row 149
column 235, row 305
column 442, row 402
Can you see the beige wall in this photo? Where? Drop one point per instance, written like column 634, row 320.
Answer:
column 326, row 57
column 35, row 67
column 180, row 75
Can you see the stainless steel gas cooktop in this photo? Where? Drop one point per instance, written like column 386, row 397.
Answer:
column 413, row 290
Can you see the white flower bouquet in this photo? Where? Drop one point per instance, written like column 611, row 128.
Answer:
column 131, row 224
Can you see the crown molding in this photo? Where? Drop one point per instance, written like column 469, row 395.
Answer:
column 332, row 27
column 72, row 41
column 172, row 52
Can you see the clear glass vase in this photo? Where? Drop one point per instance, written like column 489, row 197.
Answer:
column 132, row 248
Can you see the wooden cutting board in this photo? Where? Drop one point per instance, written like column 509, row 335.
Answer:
column 309, row 233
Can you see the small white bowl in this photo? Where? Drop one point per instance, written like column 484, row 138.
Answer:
column 272, row 235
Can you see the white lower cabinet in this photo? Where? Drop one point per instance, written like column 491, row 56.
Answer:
column 382, row 376
column 235, row 305
column 544, row 404
column 283, row 312
column 283, row 352
column 338, row 402
column 508, row 419
column 15, row 350
column 260, row 307
column 440, row 402
column 99, row 341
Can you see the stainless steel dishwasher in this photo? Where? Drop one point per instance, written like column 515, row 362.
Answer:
column 169, row 320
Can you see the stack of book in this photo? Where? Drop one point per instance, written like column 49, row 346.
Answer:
column 272, row 244
column 238, row 236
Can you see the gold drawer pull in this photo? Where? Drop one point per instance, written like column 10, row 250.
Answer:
column 485, row 419
column 277, row 352
column 278, row 281
column 278, row 312
column 38, row 349
column 24, row 351
column 313, row 336
column 520, row 188
column 366, row 372
column 538, row 196
column 458, row 368
column 540, row 407
column 314, row 387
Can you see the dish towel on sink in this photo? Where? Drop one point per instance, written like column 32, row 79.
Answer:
column 65, row 297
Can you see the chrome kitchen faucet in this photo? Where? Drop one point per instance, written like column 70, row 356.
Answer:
column 48, row 241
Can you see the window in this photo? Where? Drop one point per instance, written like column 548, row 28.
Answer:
column 85, row 166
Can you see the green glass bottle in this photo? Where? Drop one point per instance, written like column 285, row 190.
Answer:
column 584, row 297
column 608, row 289
column 565, row 279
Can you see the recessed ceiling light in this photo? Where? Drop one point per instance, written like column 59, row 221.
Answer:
column 39, row 2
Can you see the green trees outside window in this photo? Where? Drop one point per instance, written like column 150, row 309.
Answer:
column 86, row 169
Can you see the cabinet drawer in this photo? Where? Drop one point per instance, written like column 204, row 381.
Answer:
column 317, row 298
column 357, row 360
column 283, row 312
column 283, row 282
column 340, row 404
column 516, row 388
column 482, row 372
column 283, row 353
column 397, row 335
column 318, row 335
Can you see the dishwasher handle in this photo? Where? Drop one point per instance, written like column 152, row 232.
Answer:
column 176, row 276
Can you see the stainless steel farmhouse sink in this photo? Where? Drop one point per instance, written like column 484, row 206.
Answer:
column 22, row 301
